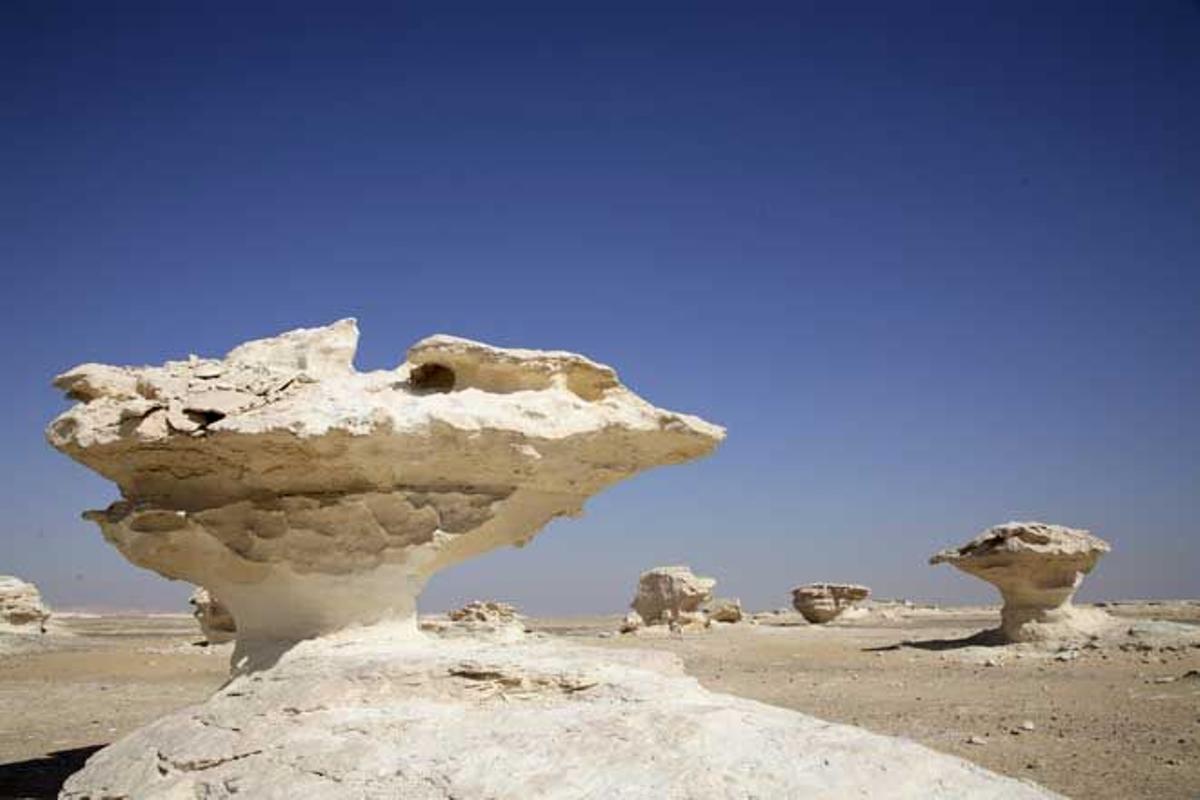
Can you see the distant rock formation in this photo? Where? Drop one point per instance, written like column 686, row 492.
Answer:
column 672, row 596
column 1037, row 567
column 488, row 611
column 316, row 501
column 216, row 623
column 724, row 609
column 823, row 602
column 21, row 607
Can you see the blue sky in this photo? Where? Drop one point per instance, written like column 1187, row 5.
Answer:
column 935, row 265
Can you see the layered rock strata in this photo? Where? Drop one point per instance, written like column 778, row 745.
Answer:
column 1037, row 567
column 309, row 496
column 824, row 602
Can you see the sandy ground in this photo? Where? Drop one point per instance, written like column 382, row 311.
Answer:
column 1100, row 724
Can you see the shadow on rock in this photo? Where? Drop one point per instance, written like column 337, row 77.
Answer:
column 42, row 777
column 993, row 637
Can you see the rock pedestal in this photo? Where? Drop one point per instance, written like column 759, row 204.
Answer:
column 1037, row 567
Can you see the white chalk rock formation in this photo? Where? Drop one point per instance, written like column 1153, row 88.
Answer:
column 823, row 602
column 310, row 497
column 1037, row 568
column 315, row 501
column 672, row 596
column 21, row 607
column 216, row 623
column 352, row 717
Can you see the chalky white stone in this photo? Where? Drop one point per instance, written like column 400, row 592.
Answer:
column 1037, row 567
column 316, row 501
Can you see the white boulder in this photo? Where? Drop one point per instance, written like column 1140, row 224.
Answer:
column 21, row 607
column 823, row 602
column 672, row 596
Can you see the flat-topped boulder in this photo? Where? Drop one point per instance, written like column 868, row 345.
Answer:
column 823, row 602
column 1037, row 567
column 21, row 607
column 672, row 596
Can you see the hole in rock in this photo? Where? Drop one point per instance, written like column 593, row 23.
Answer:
column 204, row 418
column 432, row 378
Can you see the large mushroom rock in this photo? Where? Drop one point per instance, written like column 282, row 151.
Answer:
column 671, row 595
column 310, row 497
column 216, row 623
column 316, row 501
column 21, row 607
column 1037, row 568
column 823, row 602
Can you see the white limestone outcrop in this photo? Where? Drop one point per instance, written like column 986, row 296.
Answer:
column 672, row 596
column 823, row 602
column 365, row 714
column 214, row 619
column 1037, row 567
column 21, row 607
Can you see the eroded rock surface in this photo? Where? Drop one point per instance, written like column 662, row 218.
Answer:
column 309, row 496
column 1037, row 567
column 672, row 596
column 315, row 501
column 823, row 602
column 216, row 623
column 21, row 607
column 348, row 716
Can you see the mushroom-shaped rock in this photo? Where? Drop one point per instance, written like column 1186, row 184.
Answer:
column 823, row 602
column 1037, row 567
column 216, row 623
column 315, row 501
column 311, row 497
column 21, row 607
column 671, row 596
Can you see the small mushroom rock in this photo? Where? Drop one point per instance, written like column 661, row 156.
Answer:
column 822, row 602
column 216, row 623
column 672, row 596
column 21, row 607
column 1037, row 567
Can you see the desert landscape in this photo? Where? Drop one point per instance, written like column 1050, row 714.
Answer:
column 310, row 503
column 898, row 670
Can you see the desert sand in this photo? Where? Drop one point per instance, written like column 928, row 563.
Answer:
column 1107, row 723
